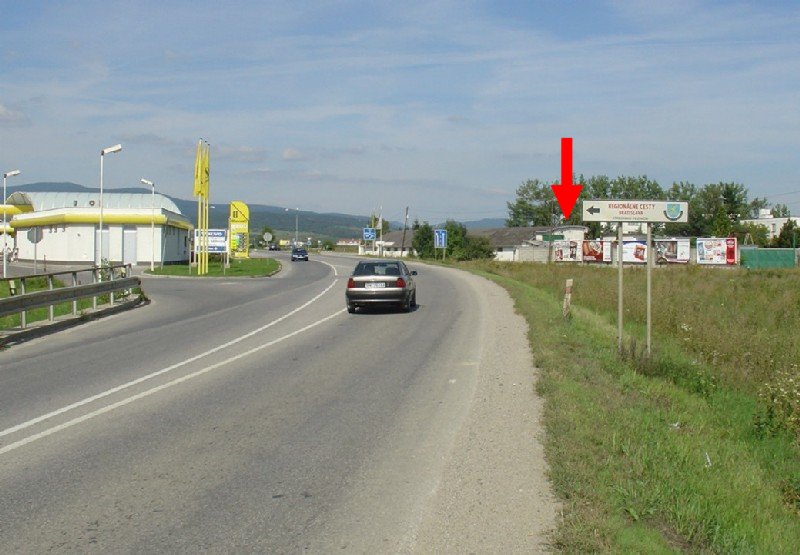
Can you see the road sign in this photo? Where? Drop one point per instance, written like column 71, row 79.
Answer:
column 440, row 238
column 217, row 240
column 370, row 234
column 651, row 211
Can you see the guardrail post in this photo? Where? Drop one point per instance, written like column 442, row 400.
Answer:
column 94, row 280
column 111, row 278
column 51, row 310
column 75, row 302
column 23, row 317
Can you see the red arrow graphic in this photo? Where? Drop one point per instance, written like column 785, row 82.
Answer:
column 566, row 193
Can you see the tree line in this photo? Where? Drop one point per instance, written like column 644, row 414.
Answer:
column 715, row 210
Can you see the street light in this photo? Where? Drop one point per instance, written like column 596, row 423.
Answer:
column 152, row 224
column 296, row 213
column 109, row 150
column 6, row 175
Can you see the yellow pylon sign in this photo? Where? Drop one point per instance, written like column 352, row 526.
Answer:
column 202, row 172
column 239, row 224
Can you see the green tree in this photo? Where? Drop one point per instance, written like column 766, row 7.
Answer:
column 781, row 211
column 373, row 222
column 423, row 240
column 477, row 248
column 788, row 236
column 757, row 233
column 535, row 205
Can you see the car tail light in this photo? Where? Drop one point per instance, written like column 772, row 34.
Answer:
column 400, row 283
column 351, row 283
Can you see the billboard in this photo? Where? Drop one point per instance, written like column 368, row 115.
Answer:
column 672, row 251
column 217, row 240
column 239, row 224
column 566, row 251
column 719, row 252
column 596, row 251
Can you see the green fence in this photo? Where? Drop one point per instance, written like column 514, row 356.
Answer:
column 755, row 258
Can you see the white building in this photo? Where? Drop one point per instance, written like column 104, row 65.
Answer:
column 773, row 225
column 63, row 228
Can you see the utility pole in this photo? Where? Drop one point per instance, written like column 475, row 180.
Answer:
column 405, row 225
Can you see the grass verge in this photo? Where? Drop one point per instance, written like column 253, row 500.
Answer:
column 656, row 457
column 249, row 267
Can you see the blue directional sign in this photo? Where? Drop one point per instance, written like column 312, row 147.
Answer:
column 370, row 234
column 440, row 238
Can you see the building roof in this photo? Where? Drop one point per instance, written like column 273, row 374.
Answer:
column 395, row 238
column 509, row 236
column 41, row 201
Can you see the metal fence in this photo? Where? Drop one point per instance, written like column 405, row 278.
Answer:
column 64, row 287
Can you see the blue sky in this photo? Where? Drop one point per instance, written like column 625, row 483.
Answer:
column 446, row 107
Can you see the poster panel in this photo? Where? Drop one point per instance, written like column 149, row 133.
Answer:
column 634, row 252
column 566, row 251
column 672, row 251
column 596, row 251
column 714, row 251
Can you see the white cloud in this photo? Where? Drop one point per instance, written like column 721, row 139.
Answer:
column 291, row 154
column 12, row 118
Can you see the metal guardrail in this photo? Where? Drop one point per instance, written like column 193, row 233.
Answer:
column 105, row 280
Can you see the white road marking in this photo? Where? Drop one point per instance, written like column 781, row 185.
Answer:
column 143, row 394
column 113, row 390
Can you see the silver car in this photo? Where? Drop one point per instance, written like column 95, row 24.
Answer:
column 381, row 283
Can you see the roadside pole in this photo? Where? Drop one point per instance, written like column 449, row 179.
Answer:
column 619, row 288
column 649, row 286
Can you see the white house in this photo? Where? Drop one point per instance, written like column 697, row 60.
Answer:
column 63, row 228
column 773, row 225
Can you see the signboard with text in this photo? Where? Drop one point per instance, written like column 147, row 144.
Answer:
column 217, row 240
column 652, row 211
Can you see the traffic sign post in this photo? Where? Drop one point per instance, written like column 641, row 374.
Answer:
column 440, row 241
column 633, row 211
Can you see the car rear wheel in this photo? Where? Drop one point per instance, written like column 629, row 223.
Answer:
column 351, row 308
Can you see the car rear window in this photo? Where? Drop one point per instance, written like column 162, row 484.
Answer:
column 376, row 269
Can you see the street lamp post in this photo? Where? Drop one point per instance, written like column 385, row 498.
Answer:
column 152, row 224
column 109, row 150
column 296, row 213
column 6, row 175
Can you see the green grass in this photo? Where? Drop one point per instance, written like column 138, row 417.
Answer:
column 249, row 267
column 661, row 455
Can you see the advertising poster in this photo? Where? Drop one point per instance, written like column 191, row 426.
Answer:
column 672, row 251
column 721, row 252
column 565, row 251
column 634, row 252
column 597, row 251
column 239, row 224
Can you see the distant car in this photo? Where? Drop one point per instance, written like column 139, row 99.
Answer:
column 299, row 254
column 381, row 283
column 274, row 247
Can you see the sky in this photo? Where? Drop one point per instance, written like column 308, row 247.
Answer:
column 442, row 106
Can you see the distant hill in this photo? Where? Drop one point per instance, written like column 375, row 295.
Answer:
column 320, row 226
column 324, row 226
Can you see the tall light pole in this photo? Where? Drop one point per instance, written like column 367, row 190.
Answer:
column 152, row 224
column 296, row 213
column 6, row 175
column 109, row 150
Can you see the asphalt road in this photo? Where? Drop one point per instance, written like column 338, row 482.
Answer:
column 256, row 415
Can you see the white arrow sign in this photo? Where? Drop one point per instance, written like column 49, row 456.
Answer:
column 653, row 211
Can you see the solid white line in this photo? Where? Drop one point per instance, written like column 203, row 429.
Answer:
column 176, row 381
column 113, row 390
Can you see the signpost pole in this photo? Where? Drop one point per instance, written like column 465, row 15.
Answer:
column 619, row 288
column 649, row 285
